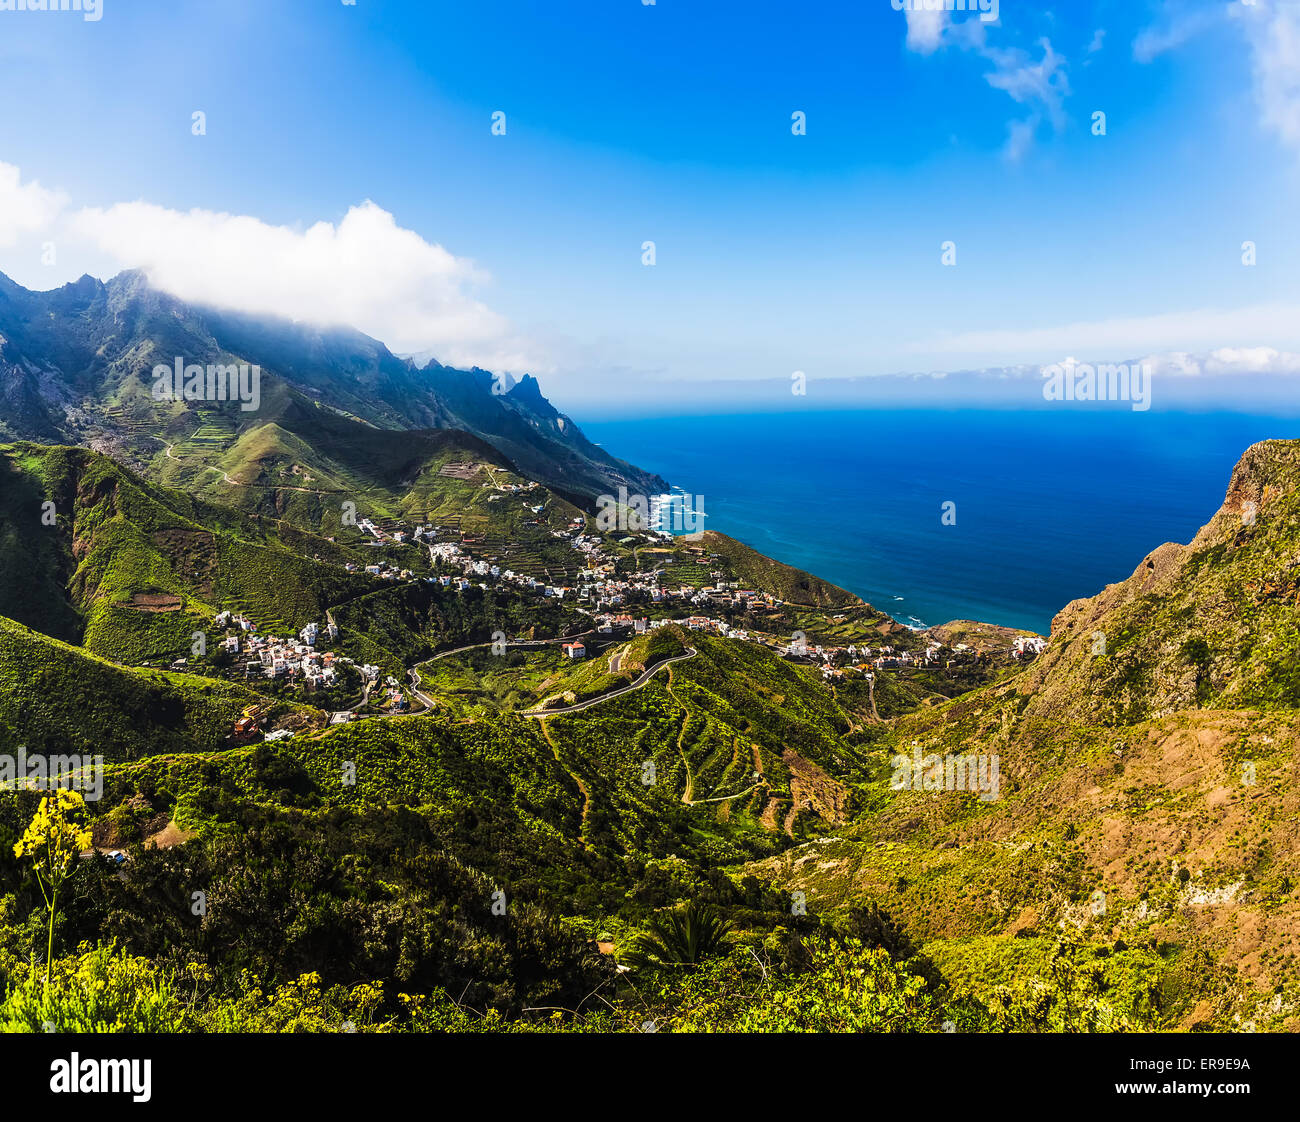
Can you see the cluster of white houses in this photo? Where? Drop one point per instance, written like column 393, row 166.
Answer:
column 598, row 583
column 1028, row 646
column 382, row 569
column 293, row 659
column 601, row 586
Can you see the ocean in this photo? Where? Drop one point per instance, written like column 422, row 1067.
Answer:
column 1047, row 506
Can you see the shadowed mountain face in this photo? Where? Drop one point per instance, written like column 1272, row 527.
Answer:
column 76, row 366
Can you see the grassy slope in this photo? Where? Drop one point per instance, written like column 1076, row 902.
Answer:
column 117, row 538
column 784, row 581
column 57, row 698
column 1153, row 772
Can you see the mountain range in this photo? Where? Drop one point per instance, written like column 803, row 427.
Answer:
column 522, row 733
column 76, row 366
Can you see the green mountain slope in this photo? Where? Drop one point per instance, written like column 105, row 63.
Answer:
column 78, row 368
column 56, row 698
column 145, row 567
column 1146, row 796
column 788, row 583
column 1212, row 624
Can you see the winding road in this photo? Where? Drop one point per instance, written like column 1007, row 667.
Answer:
column 724, row 798
column 509, row 643
column 517, row 644
column 542, row 714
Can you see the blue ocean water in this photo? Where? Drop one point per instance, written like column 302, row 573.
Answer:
column 1050, row 506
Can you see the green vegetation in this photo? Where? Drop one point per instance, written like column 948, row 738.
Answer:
column 754, row 570
column 682, row 937
column 59, row 698
column 724, row 848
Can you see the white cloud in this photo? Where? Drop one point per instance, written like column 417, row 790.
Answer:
column 1250, row 360
column 1251, row 331
column 366, row 271
column 1273, row 32
column 925, row 29
column 1178, row 363
column 25, row 208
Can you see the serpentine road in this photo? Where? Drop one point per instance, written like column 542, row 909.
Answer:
column 516, row 644
column 541, row 714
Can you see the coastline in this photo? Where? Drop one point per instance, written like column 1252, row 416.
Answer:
column 1046, row 514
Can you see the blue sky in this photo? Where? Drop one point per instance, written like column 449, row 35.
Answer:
column 671, row 123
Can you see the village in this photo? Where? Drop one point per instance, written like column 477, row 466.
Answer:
column 618, row 605
column 302, row 661
column 605, row 594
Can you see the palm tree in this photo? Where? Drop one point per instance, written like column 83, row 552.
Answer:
column 683, row 937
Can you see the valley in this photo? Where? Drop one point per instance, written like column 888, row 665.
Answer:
column 439, row 752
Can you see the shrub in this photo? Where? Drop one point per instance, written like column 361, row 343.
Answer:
column 97, row 990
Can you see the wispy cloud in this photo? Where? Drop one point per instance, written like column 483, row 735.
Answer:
column 1177, row 22
column 1027, row 82
column 1020, row 138
column 1040, row 85
column 1273, row 31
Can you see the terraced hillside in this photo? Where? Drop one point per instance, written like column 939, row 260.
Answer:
column 130, row 570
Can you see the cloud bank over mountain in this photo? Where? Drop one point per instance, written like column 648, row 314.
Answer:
column 366, row 270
